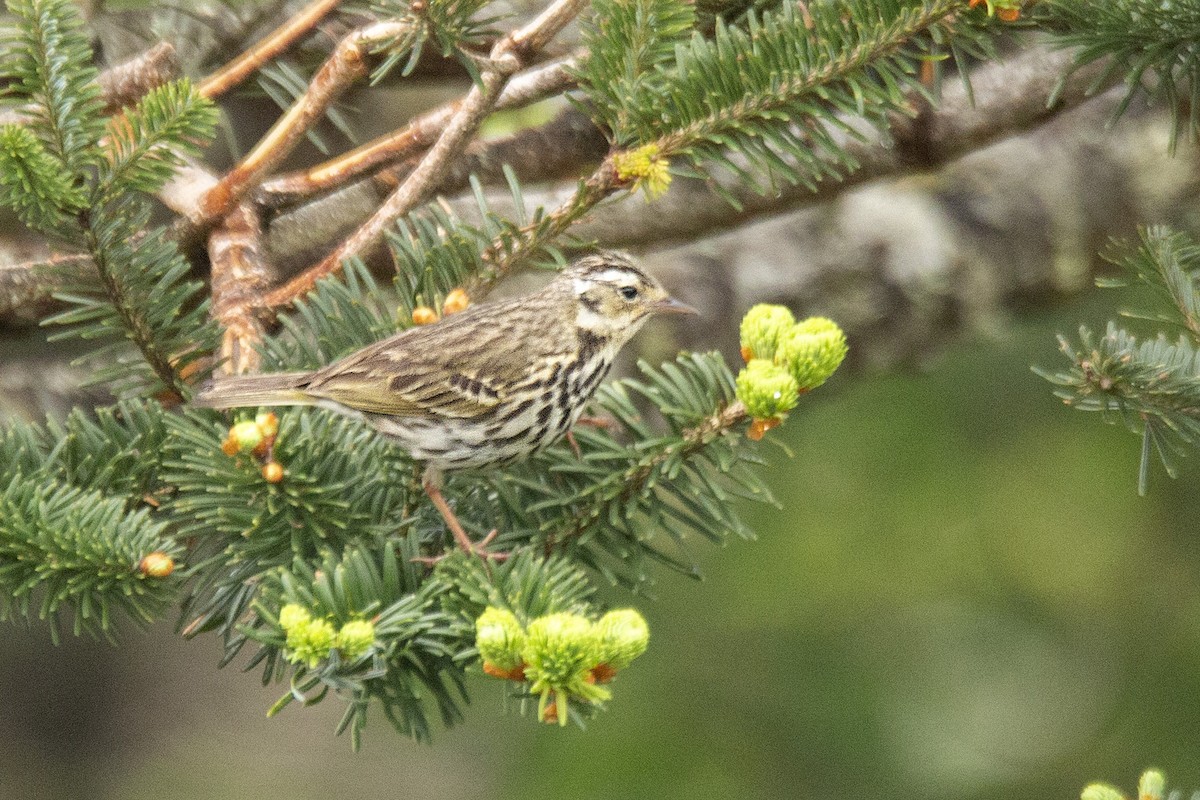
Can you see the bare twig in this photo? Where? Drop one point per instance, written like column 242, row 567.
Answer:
column 344, row 66
column 239, row 275
column 506, row 58
column 277, row 42
column 525, row 88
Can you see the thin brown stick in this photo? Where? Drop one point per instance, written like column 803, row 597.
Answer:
column 239, row 275
column 505, row 59
column 344, row 66
column 275, row 43
column 525, row 88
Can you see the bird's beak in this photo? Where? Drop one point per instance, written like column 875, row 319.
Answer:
column 672, row 306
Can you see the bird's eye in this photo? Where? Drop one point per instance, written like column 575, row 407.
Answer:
column 629, row 292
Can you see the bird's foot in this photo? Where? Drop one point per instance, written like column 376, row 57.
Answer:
column 478, row 549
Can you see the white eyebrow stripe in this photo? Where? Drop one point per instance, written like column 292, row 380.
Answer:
column 615, row 275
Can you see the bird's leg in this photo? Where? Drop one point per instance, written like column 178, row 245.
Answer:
column 603, row 423
column 432, row 485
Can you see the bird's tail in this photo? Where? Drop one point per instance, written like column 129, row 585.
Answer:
column 281, row 389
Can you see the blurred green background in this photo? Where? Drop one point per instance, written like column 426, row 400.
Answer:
column 962, row 597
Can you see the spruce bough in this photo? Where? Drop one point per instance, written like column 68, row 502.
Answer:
column 300, row 538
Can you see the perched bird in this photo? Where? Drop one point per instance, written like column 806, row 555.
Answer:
column 485, row 386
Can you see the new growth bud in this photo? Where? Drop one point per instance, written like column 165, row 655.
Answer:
column 623, row 636
column 645, row 169
column 768, row 390
column 560, row 651
column 762, row 328
column 499, row 639
column 355, row 639
column 812, row 351
column 784, row 359
column 308, row 640
column 1100, row 791
column 156, row 565
column 1152, row 786
column 246, row 436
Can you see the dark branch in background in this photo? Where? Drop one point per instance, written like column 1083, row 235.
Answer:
column 1010, row 98
column 126, row 83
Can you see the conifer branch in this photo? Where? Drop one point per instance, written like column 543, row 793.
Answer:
column 1008, row 97
column 507, row 56
column 276, row 43
column 620, row 488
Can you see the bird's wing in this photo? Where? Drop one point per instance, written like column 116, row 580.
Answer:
column 455, row 369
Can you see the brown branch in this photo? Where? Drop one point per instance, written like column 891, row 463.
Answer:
column 123, row 84
column 523, row 89
column 506, row 58
column 239, row 276
column 344, row 66
column 275, row 43
column 126, row 83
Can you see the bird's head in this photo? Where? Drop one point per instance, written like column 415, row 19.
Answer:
column 614, row 296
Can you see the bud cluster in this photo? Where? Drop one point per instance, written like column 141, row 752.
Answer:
column 257, row 437
column 456, row 300
column 310, row 640
column 1151, row 786
column 645, row 168
column 1004, row 10
column 784, row 359
column 562, row 656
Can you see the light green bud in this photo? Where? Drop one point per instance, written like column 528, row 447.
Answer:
column 623, row 636
column 812, row 351
column 1100, row 791
column 559, row 653
column 311, row 642
column 246, row 435
column 355, row 638
column 1152, row 786
column 499, row 638
column 762, row 328
column 767, row 389
column 292, row 616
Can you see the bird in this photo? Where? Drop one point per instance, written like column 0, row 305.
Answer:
column 484, row 387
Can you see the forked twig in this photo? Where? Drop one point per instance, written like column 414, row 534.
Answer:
column 344, row 66
column 507, row 56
